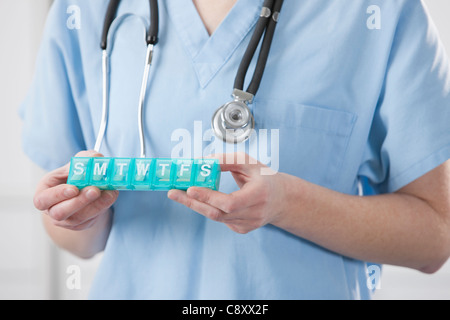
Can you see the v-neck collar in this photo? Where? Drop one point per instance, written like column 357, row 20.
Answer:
column 210, row 53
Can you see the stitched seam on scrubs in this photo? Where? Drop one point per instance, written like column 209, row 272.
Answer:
column 186, row 48
column 344, row 153
column 381, row 91
column 119, row 232
column 433, row 160
column 327, row 132
column 76, row 83
column 193, row 54
column 350, row 118
column 205, row 84
column 33, row 152
column 39, row 159
column 342, row 260
column 185, row 40
column 316, row 129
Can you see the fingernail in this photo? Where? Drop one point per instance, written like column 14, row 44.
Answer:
column 70, row 192
column 172, row 195
column 110, row 195
column 192, row 193
column 92, row 194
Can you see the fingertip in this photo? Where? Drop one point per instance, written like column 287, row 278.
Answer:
column 174, row 194
column 115, row 192
column 71, row 191
column 89, row 153
column 111, row 195
column 38, row 203
column 197, row 192
column 92, row 193
column 171, row 194
column 193, row 192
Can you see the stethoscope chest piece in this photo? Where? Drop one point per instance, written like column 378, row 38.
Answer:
column 234, row 122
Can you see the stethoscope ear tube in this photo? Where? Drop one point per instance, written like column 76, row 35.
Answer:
column 110, row 16
column 152, row 34
column 151, row 39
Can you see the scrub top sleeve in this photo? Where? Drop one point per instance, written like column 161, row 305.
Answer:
column 410, row 133
column 51, row 128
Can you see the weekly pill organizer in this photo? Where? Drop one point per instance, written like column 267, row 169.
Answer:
column 147, row 174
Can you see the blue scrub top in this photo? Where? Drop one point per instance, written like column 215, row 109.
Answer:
column 359, row 92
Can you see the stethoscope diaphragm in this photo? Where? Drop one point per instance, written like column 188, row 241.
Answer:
column 233, row 122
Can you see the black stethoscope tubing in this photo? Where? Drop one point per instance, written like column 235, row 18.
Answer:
column 152, row 33
column 267, row 24
column 222, row 120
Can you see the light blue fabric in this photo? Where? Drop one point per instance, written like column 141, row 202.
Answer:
column 351, row 103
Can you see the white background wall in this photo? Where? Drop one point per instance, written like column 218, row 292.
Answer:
column 31, row 267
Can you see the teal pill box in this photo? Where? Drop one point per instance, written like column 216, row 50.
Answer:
column 147, row 174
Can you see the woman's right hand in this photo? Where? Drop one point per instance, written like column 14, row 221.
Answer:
column 68, row 207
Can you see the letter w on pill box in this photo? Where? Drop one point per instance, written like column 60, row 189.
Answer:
column 144, row 173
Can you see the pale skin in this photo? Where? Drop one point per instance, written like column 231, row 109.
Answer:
column 409, row 228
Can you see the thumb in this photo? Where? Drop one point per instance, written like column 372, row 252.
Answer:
column 89, row 154
column 63, row 172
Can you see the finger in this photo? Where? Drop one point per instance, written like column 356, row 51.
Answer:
column 65, row 209
column 91, row 211
column 204, row 209
column 54, row 178
column 49, row 197
column 241, row 229
column 75, row 227
column 89, row 154
column 228, row 203
column 243, row 221
column 238, row 162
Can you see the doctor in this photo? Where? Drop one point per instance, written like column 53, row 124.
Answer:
column 359, row 93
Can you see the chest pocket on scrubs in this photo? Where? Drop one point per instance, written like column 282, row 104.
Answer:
column 312, row 140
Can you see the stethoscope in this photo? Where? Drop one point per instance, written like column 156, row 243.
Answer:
column 233, row 122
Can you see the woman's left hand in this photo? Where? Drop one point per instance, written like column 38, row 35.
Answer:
column 258, row 202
